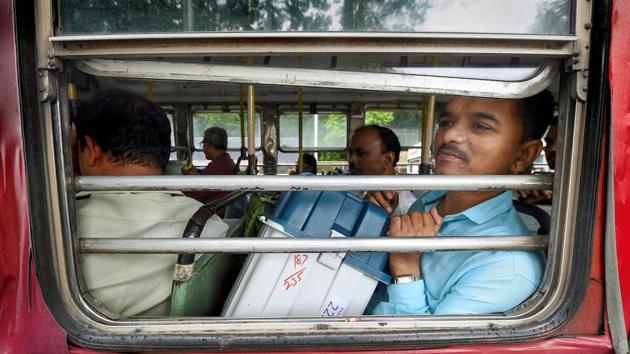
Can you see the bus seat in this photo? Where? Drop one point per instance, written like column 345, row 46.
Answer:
column 540, row 216
column 237, row 209
column 204, row 293
column 201, row 284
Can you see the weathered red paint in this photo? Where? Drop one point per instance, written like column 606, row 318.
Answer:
column 26, row 326
column 620, row 108
column 590, row 315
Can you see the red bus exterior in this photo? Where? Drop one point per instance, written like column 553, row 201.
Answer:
column 28, row 327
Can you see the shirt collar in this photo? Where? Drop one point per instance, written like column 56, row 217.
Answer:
column 479, row 213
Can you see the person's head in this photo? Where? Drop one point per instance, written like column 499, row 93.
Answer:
column 215, row 142
column 550, row 143
column 309, row 163
column 374, row 150
column 483, row 136
column 121, row 133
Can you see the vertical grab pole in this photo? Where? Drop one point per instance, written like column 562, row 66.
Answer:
column 242, row 115
column 300, row 94
column 427, row 135
column 251, row 138
column 73, row 98
column 150, row 94
column 427, row 132
column 243, row 155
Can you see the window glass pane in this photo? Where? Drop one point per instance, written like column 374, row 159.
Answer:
column 229, row 121
column 465, row 16
column 406, row 124
column 321, row 130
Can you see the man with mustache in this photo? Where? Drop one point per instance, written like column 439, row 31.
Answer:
column 475, row 136
column 374, row 150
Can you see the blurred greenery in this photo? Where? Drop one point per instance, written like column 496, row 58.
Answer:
column 146, row 16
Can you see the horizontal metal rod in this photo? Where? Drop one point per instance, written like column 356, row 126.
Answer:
column 232, row 35
column 305, row 183
column 290, row 245
column 247, row 43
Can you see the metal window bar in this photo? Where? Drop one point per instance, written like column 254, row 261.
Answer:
column 422, row 84
column 303, row 183
column 290, row 245
column 208, row 44
column 306, row 183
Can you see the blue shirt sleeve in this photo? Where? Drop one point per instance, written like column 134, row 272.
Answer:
column 492, row 287
column 404, row 299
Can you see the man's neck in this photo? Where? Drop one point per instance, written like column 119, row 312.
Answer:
column 217, row 153
column 455, row 201
column 130, row 170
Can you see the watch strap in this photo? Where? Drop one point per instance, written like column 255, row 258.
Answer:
column 405, row 279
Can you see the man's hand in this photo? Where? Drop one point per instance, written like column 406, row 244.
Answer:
column 387, row 200
column 533, row 197
column 189, row 170
column 413, row 224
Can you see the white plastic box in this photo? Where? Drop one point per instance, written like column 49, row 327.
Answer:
column 312, row 284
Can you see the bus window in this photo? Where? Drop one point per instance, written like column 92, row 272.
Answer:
column 406, row 124
column 230, row 121
column 322, row 131
column 528, row 49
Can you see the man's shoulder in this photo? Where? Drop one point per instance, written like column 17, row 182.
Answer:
column 222, row 165
column 156, row 203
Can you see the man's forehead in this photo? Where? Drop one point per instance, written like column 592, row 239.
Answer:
column 366, row 137
column 500, row 108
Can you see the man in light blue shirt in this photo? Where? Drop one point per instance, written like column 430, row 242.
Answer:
column 475, row 136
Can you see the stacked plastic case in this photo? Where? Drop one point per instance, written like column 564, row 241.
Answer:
column 313, row 284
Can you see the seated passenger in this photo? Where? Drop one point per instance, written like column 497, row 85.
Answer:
column 215, row 144
column 375, row 150
column 475, row 136
column 309, row 165
column 544, row 196
column 121, row 134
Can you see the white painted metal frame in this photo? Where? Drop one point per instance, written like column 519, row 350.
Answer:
column 305, row 183
column 201, row 72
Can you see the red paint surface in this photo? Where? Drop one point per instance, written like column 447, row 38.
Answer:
column 589, row 317
column 28, row 327
column 24, row 327
column 573, row 345
column 620, row 104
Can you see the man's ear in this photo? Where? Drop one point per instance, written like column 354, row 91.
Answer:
column 527, row 153
column 93, row 152
column 388, row 160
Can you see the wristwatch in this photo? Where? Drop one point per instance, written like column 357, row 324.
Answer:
column 405, row 279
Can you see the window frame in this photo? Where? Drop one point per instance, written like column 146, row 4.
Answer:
column 56, row 251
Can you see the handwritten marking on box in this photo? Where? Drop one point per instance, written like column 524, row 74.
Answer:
column 299, row 260
column 335, row 307
column 293, row 279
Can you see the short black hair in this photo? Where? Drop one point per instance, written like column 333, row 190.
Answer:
column 389, row 140
column 131, row 128
column 310, row 160
column 536, row 113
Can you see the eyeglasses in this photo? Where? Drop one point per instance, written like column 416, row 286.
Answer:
column 203, row 142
